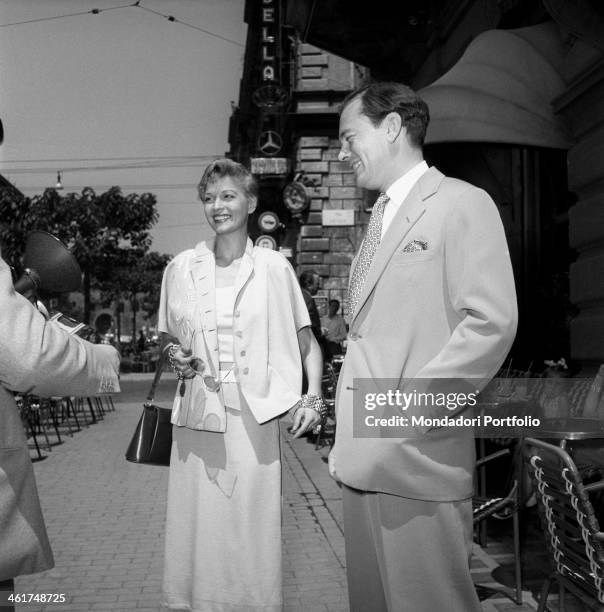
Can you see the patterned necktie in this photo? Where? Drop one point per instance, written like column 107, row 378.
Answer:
column 368, row 249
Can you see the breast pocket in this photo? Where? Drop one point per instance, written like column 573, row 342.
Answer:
column 403, row 259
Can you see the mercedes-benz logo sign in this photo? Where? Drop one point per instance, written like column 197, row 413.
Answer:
column 270, row 143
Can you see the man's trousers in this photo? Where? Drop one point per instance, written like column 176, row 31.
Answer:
column 408, row 555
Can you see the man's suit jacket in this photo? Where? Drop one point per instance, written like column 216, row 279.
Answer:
column 36, row 357
column 448, row 311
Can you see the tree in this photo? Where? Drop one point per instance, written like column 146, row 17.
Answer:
column 137, row 273
column 102, row 231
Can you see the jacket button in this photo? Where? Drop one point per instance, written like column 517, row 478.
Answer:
column 246, row 370
column 353, row 336
column 237, row 313
column 243, row 353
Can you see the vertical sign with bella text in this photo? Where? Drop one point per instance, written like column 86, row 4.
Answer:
column 269, row 37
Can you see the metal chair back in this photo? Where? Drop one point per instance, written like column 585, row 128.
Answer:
column 572, row 531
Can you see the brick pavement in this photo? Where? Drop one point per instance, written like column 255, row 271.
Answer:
column 105, row 519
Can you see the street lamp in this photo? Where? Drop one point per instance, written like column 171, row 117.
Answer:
column 59, row 185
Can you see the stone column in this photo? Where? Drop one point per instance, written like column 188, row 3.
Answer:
column 583, row 106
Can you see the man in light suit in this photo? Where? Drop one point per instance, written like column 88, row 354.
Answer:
column 431, row 297
column 36, row 356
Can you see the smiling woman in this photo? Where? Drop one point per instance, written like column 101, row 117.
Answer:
column 239, row 338
column 228, row 200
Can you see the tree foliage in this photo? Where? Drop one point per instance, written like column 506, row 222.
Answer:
column 137, row 272
column 107, row 233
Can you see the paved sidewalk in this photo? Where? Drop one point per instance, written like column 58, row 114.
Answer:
column 105, row 519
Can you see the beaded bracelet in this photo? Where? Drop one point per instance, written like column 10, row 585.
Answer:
column 316, row 403
column 171, row 353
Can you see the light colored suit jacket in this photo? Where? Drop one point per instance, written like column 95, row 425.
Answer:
column 38, row 357
column 448, row 311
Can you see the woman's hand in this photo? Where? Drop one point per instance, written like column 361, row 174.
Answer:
column 183, row 363
column 304, row 420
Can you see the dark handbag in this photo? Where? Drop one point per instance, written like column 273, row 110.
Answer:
column 151, row 443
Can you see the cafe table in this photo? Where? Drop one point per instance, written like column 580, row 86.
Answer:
column 570, row 430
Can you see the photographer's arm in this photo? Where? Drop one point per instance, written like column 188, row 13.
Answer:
column 37, row 356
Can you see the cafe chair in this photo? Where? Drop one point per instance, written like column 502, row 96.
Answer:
column 575, row 543
column 503, row 507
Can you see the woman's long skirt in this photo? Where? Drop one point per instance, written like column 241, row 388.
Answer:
column 223, row 528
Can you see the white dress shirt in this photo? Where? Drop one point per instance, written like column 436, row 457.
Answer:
column 399, row 190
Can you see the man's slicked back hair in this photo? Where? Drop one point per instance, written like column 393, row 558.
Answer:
column 379, row 98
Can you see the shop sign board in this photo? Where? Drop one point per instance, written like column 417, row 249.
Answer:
column 267, row 242
column 338, row 216
column 268, row 221
column 268, row 40
column 270, row 165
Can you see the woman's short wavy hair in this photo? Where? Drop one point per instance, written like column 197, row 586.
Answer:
column 221, row 168
column 380, row 98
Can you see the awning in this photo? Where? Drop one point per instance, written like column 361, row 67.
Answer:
column 501, row 90
column 387, row 36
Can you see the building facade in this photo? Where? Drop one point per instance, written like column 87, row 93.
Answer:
column 516, row 92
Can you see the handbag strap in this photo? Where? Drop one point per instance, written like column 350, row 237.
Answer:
column 159, row 368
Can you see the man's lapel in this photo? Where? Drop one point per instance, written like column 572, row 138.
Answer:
column 406, row 217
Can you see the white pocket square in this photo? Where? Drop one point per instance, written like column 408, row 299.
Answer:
column 415, row 245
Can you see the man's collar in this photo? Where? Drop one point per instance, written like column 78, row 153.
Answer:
column 400, row 189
